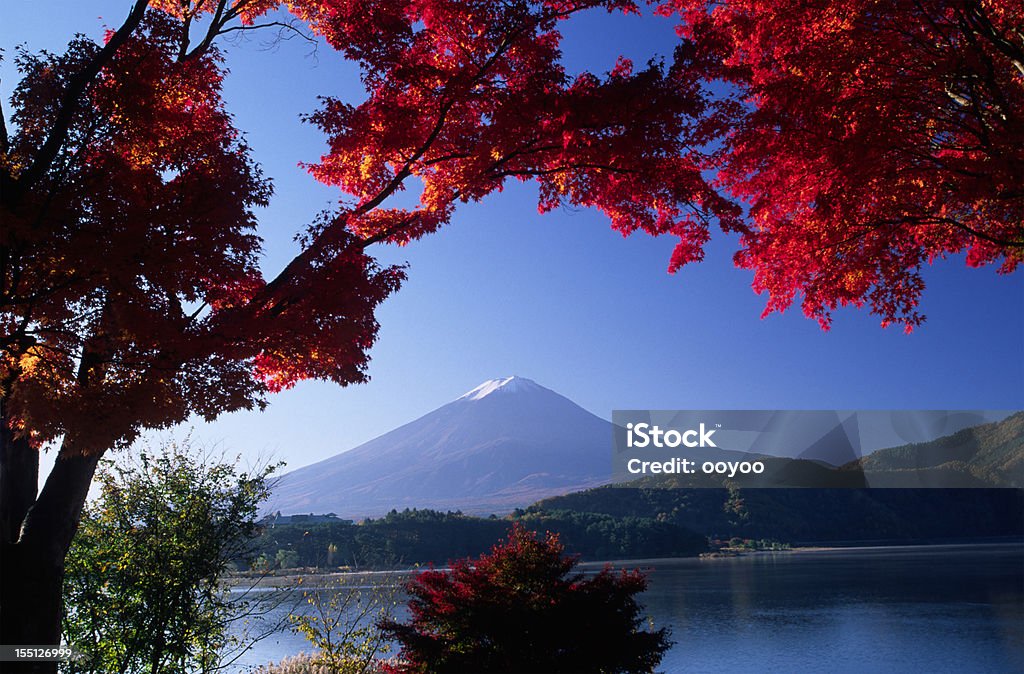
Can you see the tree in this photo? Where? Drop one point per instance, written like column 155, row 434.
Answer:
column 868, row 138
column 286, row 559
column 342, row 624
column 521, row 608
column 131, row 292
column 144, row 578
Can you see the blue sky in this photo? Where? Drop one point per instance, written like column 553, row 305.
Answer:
column 561, row 298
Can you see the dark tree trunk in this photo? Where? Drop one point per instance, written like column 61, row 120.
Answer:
column 37, row 533
column 19, row 477
column 30, row 602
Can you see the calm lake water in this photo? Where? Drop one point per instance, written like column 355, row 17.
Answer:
column 907, row 609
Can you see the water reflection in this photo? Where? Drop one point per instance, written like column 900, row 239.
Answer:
column 913, row 609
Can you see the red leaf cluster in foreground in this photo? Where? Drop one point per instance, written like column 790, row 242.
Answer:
column 523, row 608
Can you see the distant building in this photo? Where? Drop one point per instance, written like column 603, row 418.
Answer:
column 278, row 518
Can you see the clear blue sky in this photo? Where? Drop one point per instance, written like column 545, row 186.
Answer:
column 561, row 298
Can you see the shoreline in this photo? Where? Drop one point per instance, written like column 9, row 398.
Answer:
column 297, row 578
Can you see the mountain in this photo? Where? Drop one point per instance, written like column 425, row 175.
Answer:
column 505, row 444
column 980, row 456
column 985, row 455
column 975, row 477
column 989, row 456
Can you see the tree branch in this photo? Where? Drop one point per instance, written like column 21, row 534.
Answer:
column 3, row 131
column 284, row 26
column 983, row 27
column 216, row 24
column 458, row 83
column 222, row 16
column 867, row 228
column 979, row 234
column 69, row 105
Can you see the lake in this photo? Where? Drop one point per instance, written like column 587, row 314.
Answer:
column 954, row 608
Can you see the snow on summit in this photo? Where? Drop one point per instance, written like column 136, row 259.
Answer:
column 511, row 384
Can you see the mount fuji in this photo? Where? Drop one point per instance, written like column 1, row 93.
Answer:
column 507, row 443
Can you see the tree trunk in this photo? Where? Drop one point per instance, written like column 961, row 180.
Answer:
column 19, row 479
column 30, row 602
column 33, row 550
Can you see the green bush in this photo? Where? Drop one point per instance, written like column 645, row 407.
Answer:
column 144, row 578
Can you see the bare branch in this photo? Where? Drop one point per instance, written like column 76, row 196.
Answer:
column 289, row 27
column 224, row 15
column 216, row 24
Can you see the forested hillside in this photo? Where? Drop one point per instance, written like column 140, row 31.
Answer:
column 426, row 536
column 813, row 515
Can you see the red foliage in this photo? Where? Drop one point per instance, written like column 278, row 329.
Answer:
column 464, row 95
column 132, row 293
column 522, row 608
column 867, row 139
column 874, row 137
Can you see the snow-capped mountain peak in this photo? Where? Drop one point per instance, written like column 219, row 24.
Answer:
column 506, row 444
column 511, row 384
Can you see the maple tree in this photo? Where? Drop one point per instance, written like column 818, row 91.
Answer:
column 523, row 608
column 868, row 139
column 132, row 295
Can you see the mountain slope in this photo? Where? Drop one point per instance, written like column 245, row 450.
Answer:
column 990, row 454
column 504, row 444
column 980, row 456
